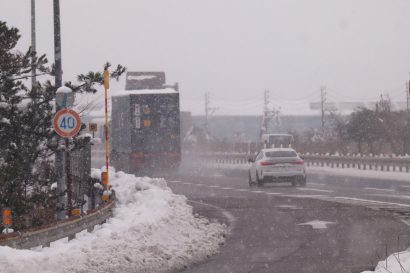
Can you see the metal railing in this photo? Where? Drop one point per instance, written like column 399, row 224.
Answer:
column 368, row 162
column 43, row 236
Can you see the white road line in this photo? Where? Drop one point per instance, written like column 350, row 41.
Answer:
column 370, row 201
column 227, row 188
column 318, row 184
column 175, row 181
column 212, row 186
column 258, row 191
column 313, row 189
column 241, row 189
column 274, row 193
column 378, row 189
column 305, row 195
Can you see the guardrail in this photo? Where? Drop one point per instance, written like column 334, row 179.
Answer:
column 43, row 236
column 382, row 163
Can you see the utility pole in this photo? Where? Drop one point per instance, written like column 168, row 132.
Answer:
column 208, row 110
column 33, row 42
column 59, row 157
column 322, row 105
column 265, row 117
column 407, row 95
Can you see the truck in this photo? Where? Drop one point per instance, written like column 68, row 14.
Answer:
column 145, row 125
column 277, row 140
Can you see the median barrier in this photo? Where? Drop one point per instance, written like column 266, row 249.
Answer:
column 368, row 162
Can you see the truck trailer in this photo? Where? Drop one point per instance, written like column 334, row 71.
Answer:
column 145, row 125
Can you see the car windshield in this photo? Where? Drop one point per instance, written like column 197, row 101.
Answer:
column 281, row 154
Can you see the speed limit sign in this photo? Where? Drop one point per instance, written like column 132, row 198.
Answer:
column 67, row 123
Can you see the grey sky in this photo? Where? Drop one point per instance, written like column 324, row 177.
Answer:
column 235, row 49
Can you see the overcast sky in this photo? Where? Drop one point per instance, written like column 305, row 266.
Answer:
column 235, row 49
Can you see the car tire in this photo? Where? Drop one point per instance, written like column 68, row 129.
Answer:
column 251, row 183
column 302, row 181
column 258, row 180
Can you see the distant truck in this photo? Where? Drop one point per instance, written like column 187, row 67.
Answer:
column 145, row 125
column 277, row 140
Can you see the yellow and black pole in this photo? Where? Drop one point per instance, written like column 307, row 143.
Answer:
column 105, row 177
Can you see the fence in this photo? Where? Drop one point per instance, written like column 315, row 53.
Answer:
column 382, row 163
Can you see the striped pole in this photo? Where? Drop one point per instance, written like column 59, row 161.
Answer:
column 106, row 87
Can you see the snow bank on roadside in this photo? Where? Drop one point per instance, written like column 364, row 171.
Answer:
column 396, row 263
column 153, row 230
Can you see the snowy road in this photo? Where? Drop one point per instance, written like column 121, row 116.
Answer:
column 278, row 228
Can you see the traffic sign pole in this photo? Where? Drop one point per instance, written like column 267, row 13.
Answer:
column 67, row 124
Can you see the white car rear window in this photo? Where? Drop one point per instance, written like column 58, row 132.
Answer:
column 281, row 154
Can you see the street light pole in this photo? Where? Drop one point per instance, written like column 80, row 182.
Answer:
column 59, row 157
column 33, row 41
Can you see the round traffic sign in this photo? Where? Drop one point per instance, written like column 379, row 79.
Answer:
column 67, row 123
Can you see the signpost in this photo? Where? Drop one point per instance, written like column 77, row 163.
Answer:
column 66, row 123
column 7, row 218
column 93, row 127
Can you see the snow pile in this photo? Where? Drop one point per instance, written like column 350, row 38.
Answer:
column 396, row 263
column 153, row 230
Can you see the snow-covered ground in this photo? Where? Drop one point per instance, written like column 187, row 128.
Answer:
column 153, row 230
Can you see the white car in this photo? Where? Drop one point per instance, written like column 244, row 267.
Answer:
column 277, row 165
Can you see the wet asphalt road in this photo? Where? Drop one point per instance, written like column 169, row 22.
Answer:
column 268, row 224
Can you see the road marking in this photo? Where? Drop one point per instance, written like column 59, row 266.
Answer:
column 241, row 189
column 317, row 224
column 287, row 207
column 227, row 188
column 379, row 189
column 305, row 195
column 274, row 193
column 212, row 186
column 318, row 184
column 370, row 201
column 258, row 191
column 313, row 189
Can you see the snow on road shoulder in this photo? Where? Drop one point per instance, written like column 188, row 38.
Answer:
column 396, row 263
column 153, row 230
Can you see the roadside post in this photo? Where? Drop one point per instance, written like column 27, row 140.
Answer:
column 92, row 127
column 105, row 175
column 7, row 218
column 67, row 124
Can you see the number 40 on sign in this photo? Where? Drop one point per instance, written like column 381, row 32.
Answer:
column 67, row 123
